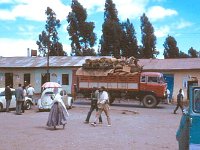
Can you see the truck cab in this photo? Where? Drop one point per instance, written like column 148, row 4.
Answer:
column 152, row 88
column 188, row 134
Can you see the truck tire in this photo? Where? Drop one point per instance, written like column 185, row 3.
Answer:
column 149, row 101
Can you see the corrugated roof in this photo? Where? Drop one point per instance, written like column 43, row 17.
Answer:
column 170, row 64
column 54, row 61
column 77, row 61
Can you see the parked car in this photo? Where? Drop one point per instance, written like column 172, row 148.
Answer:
column 46, row 100
column 188, row 134
column 28, row 101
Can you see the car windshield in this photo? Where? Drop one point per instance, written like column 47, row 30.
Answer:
column 2, row 93
column 196, row 101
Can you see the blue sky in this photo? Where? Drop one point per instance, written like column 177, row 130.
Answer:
column 21, row 21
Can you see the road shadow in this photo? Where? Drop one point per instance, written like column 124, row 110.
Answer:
column 132, row 104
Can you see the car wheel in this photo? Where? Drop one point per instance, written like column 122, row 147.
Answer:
column 28, row 105
column 1, row 107
column 149, row 101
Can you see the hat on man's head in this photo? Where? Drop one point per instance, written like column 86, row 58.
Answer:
column 102, row 88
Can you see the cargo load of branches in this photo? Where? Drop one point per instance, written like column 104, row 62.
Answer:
column 113, row 66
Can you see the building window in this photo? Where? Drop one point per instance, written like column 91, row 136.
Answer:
column 65, row 79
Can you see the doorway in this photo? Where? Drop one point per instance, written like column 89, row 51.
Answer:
column 9, row 79
column 27, row 79
column 169, row 78
column 44, row 78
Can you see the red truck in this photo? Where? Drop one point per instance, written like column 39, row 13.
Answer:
column 147, row 87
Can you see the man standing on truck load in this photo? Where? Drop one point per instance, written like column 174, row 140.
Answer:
column 94, row 98
column 179, row 101
column 103, row 105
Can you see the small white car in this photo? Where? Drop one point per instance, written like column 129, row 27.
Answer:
column 28, row 101
column 46, row 100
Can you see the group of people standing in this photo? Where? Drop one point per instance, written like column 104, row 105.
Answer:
column 20, row 94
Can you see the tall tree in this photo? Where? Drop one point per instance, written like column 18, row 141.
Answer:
column 183, row 55
column 111, row 28
column 170, row 48
column 193, row 53
column 148, row 38
column 129, row 45
column 48, row 42
column 80, row 31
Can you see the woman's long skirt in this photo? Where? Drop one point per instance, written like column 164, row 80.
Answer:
column 57, row 115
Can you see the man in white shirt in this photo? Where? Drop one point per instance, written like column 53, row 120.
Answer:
column 103, row 105
column 30, row 93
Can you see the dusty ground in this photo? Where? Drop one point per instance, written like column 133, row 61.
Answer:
column 133, row 128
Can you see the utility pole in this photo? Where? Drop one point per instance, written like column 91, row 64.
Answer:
column 48, row 47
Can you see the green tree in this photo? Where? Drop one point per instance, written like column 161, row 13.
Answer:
column 48, row 42
column 148, row 38
column 170, row 48
column 111, row 28
column 193, row 53
column 183, row 55
column 129, row 45
column 80, row 31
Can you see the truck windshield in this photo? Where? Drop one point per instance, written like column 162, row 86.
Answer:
column 152, row 79
column 161, row 79
column 196, row 101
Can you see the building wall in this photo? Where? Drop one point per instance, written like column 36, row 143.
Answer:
column 36, row 75
column 180, row 80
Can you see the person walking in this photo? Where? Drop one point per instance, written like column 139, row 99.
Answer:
column 103, row 105
column 58, row 113
column 19, row 98
column 179, row 101
column 30, row 93
column 8, row 97
column 93, row 105
column 168, row 96
column 23, row 102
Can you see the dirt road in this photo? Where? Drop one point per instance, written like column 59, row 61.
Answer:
column 133, row 128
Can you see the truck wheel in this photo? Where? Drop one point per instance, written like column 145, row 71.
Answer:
column 149, row 101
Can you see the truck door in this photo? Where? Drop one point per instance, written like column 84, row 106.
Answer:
column 194, row 113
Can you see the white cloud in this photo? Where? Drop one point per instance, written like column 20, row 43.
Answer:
column 92, row 5
column 35, row 10
column 183, row 24
column 126, row 8
column 16, row 47
column 5, row 1
column 162, row 31
column 157, row 12
column 131, row 9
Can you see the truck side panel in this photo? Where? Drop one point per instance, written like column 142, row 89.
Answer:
column 129, row 83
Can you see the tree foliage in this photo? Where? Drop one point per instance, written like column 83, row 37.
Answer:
column 80, row 31
column 193, row 53
column 148, row 38
column 129, row 45
column 183, row 55
column 170, row 48
column 48, row 42
column 111, row 28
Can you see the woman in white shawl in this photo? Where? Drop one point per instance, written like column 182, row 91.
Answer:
column 58, row 113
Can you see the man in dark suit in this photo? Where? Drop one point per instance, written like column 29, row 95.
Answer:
column 19, row 98
column 8, row 97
